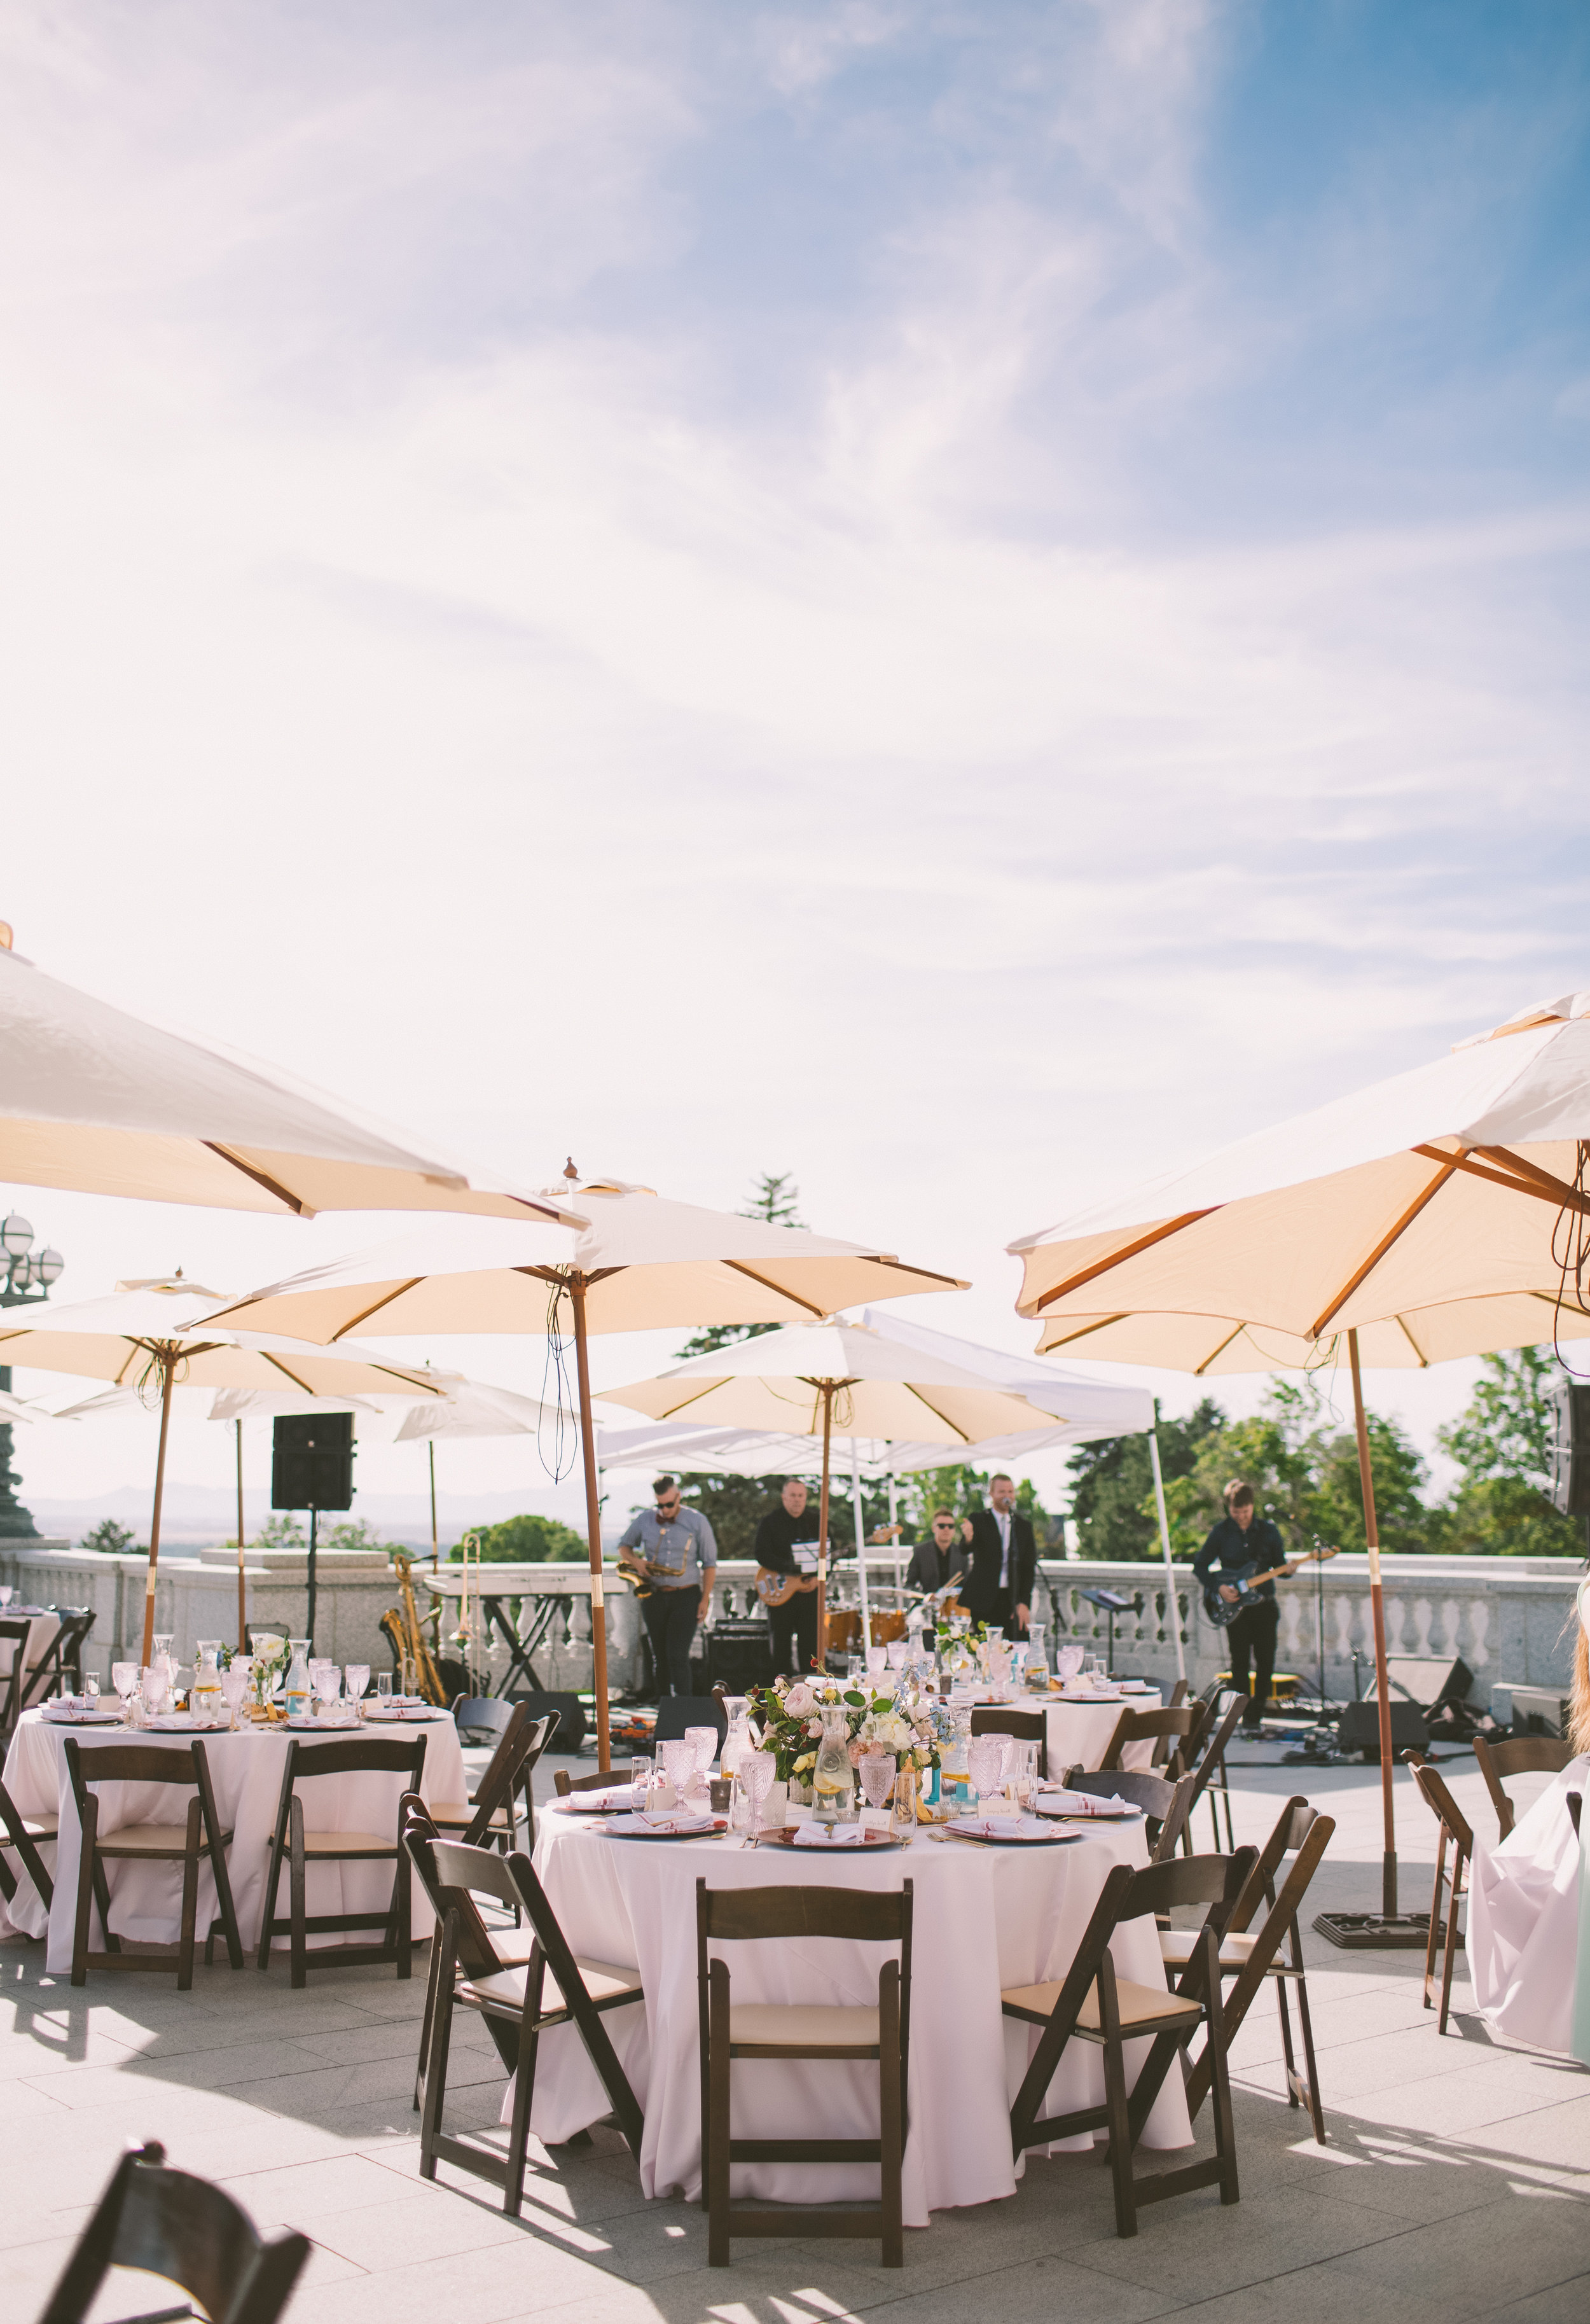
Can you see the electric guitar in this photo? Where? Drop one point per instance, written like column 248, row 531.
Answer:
column 778, row 1589
column 1223, row 1611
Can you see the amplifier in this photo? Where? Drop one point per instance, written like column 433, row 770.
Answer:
column 1359, row 1729
column 1568, row 1447
column 1540, row 1710
column 739, row 1655
column 1428, row 1681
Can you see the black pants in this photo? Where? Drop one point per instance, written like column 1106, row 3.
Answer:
column 795, row 1623
column 1253, row 1633
column 999, row 1613
column 670, row 1620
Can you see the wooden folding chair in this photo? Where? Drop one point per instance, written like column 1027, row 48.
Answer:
column 300, row 1849
column 1026, row 1726
column 482, row 1949
column 1212, row 1761
column 1180, row 1728
column 555, row 1986
column 169, row 2224
column 62, row 1657
column 15, row 1630
column 200, row 1839
column 1173, row 1701
column 818, row 2031
column 1521, row 1755
column 20, row 1835
column 1251, row 1956
column 1093, row 2004
column 564, row 1782
column 1455, row 1826
column 1165, row 1806
column 491, row 1814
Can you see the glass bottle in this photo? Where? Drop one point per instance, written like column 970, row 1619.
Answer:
column 739, row 1738
column 205, row 1699
column 834, row 1779
column 296, row 1690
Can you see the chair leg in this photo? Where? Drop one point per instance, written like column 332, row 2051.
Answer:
column 891, row 2140
column 718, row 2081
column 436, row 2084
column 86, row 1868
column 1451, row 1936
column 1435, row 1917
column 519, row 2136
column 429, row 2020
column 1120, row 2137
column 1221, row 2083
column 185, row 1940
column 272, row 1890
column 298, row 1899
column 1286, row 2050
column 403, row 1913
column 1316, row 2110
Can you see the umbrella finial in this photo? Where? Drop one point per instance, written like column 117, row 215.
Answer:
column 571, row 1174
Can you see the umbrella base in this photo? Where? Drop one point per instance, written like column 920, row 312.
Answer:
column 1362, row 1930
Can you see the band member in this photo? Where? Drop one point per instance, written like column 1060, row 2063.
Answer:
column 936, row 1558
column 786, row 1576
column 1244, row 1538
column 998, row 1589
column 671, row 1548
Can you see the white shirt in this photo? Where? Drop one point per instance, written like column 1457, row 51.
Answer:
column 1002, row 1520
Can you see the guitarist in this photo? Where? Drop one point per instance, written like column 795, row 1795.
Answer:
column 1244, row 1538
column 786, row 1576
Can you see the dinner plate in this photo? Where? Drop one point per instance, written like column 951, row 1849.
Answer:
column 1005, row 1831
column 1127, row 1814
column 633, row 1828
column 783, row 1836
column 403, row 1718
column 82, row 1719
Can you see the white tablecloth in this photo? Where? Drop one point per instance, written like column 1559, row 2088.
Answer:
column 246, row 1772
column 984, row 1919
column 1079, row 1733
column 1523, row 1919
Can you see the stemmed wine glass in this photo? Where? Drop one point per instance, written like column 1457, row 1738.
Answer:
column 878, row 1777
column 704, row 1742
column 678, row 1756
column 328, row 1686
column 123, row 1677
column 234, row 1685
column 985, row 1764
column 756, row 1775
column 6, row 1594
column 355, row 1679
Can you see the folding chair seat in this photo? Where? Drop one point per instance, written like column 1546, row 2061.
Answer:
column 1025, row 1726
column 1455, row 1829
column 298, row 1847
column 1093, row 2004
column 200, row 1839
column 491, row 1812
column 1251, row 1956
column 1165, row 1806
column 519, row 2003
column 1179, row 1729
column 167, row 2223
column 1521, row 1755
column 815, row 2031
column 20, row 1835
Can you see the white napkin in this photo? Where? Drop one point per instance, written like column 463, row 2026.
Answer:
column 676, row 1823
column 828, row 1835
column 1055, row 1800
column 1000, row 1828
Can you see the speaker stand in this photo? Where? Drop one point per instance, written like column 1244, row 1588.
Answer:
column 310, row 1621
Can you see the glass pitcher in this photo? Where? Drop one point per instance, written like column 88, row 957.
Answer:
column 834, row 1779
column 740, row 1738
column 296, row 1690
column 205, row 1698
column 1037, row 1672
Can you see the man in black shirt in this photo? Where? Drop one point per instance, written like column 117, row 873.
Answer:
column 936, row 1559
column 786, row 1581
column 1244, row 1538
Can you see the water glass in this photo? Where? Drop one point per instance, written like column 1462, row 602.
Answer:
column 905, row 1789
column 985, row 1763
column 877, row 1662
column 123, row 1677
column 355, row 1679
column 383, row 1687
column 90, row 1687
column 877, row 1772
column 704, row 1742
column 328, row 1686
column 6, row 1594
column 236, row 1680
column 896, row 1651
column 756, row 1777
column 639, row 1782
column 679, row 1763
column 156, row 1688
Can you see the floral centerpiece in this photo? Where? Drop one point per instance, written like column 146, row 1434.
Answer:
column 790, row 1715
column 272, row 1657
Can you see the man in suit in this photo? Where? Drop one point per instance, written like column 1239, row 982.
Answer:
column 998, row 1589
column 935, row 1560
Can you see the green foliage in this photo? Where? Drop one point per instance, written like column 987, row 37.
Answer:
column 1499, row 1510
column 112, row 1539
column 527, row 1539
column 775, row 1200
column 734, row 1506
column 1113, row 1496
column 352, row 1532
column 281, row 1530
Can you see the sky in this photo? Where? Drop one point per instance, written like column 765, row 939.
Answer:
column 963, row 602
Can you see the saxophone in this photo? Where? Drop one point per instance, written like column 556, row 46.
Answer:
column 403, row 1627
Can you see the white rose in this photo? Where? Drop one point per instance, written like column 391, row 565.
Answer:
column 800, row 1701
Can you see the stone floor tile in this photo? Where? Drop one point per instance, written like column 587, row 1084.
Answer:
column 408, row 2224
column 305, row 2192
column 1193, row 2247
column 1558, row 2304
column 1475, row 2263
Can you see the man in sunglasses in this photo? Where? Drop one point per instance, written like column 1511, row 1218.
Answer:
column 934, row 1562
column 671, row 1551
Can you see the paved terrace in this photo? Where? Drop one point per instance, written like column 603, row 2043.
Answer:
column 1455, row 2185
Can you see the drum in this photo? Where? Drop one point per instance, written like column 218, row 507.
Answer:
column 888, row 1623
column 844, row 1629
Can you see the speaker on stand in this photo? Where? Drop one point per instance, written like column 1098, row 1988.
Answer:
column 312, row 1468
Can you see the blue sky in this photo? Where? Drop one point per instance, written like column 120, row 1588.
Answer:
column 958, row 600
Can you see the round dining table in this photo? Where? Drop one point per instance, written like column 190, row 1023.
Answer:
column 984, row 1918
column 1080, row 1728
column 246, row 1769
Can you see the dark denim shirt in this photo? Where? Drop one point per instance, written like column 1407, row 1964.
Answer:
column 1229, row 1548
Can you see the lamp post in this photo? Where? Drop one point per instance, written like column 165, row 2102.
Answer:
column 25, row 1278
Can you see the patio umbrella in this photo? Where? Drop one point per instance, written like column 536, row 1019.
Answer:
column 639, row 1263
column 1440, row 1214
column 151, row 1334
column 819, row 1381
column 466, row 1408
column 107, row 1103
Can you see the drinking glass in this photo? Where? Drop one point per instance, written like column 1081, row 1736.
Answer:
column 1023, row 1778
column 985, row 1761
column 156, row 1688
column 639, row 1782
column 878, row 1777
column 905, row 1789
column 235, row 1686
column 679, row 1763
column 756, row 1775
column 6, row 1594
column 383, row 1687
column 164, row 1657
column 896, row 1651
column 90, row 1686
column 123, row 1677
column 704, row 1742
column 996, row 1635
column 878, row 1661
column 328, row 1686
column 355, row 1679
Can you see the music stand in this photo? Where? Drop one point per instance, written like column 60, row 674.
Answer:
column 1111, row 1602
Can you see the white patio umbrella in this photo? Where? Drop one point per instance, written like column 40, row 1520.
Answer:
column 468, row 1407
column 151, row 1334
column 640, row 1263
column 107, row 1103
column 828, row 1379
column 1440, row 1214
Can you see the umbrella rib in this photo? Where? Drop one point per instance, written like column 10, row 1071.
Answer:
column 1099, row 1324
column 1399, row 1227
column 1213, row 1353
column 287, row 1370
column 1119, row 1258
column 738, row 1267
column 375, row 1307
column 1543, row 1181
column 1413, row 1343
column 1544, row 1188
column 272, row 1186
column 912, row 1389
column 882, row 1259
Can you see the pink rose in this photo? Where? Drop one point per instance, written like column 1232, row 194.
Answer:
column 800, row 1701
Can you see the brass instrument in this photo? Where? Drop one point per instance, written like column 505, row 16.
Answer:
column 404, row 1629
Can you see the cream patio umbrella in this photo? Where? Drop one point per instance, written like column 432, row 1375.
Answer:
column 103, row 1102
column 151, row 1336
column 639, row 1263
column 1437, row 1214
column 827, row 1380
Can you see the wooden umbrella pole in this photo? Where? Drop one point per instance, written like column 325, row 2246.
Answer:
column 430, row 1446
column 168, row 1364
column 593, row 1527
column 241, row 1584
column 1377, row 1611
column 823, row 1531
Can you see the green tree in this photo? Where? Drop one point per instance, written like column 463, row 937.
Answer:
column 112, row 1539
column 527, row 1539
column 1499, row 1508
column 775, row 1200
column 352, row 1532
column 1112, row 1497
column 281, row 1530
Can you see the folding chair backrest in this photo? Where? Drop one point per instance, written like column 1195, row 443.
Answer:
column 675, row 1712
column 463, row 1873
column 1441, row 1803
column 13, row 1633
column 169, row 2224
column 136, row 1763
column 1523, row 1755
column 472, row 1939
column 564, row 1783
column 1291, row 1828
column 1216, row 1881
column 359, row 1755
column 1177, row 1696
column 1214, row 1746
column 485, row 1715
column 63, row 1652
column 863, row 1915
column 994, row 1718
column 524, row 1739
column 1182, row 1725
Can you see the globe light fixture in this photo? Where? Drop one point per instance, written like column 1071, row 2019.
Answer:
column 26, row 1274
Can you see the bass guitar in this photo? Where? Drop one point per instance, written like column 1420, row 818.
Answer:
column 1244, row 1580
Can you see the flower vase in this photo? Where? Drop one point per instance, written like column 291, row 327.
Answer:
column 834, row 1779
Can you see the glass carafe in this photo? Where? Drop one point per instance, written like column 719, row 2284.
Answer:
column 205, row 1699
column 296, row 1691
column 740, row 1739
column 834, row 1779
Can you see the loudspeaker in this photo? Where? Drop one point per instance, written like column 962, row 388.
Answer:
column 1428, row 1681
column 1540, row 1710
column 740, row 1655
column 1567, row 1448
column 1359, row 1729
column 312, row 1460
